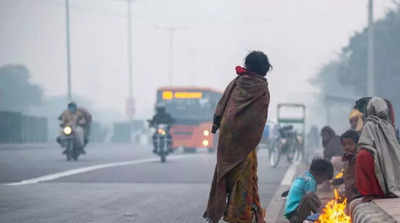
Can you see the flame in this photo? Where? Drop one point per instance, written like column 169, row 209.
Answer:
column 334, row 211
column 340, row 174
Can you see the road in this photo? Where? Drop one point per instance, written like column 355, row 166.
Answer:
column 112, row 190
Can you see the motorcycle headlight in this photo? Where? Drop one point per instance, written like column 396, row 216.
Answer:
column 161, row 131
column 206, row 133
column 67, row 130
column 205, row 142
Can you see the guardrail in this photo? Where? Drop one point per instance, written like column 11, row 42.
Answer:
column 18, row 128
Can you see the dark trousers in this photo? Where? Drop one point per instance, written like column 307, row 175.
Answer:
column 308, row 205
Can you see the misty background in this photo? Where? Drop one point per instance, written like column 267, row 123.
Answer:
column 317, row 48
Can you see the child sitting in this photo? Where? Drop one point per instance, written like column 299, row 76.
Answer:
column 302, row 200
column 349, row 140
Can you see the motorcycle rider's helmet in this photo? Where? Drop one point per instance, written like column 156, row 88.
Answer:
column 160, row 108
column 72, row 107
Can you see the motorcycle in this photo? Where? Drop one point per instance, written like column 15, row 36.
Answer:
column 162, row 141
column 69, row 140
column 287, row 143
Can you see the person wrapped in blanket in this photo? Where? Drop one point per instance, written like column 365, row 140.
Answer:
column 378, row 157
column 302, row 199
column 240, row 116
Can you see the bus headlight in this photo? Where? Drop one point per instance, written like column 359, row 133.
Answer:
column 206, row 133
column 205, row 142
column 67, row 130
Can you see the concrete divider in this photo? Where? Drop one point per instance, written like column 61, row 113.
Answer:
column 383, row 210
column 18, row 128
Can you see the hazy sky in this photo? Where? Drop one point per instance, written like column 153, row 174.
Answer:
column 298, row 35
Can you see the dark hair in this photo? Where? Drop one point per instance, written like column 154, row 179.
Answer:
column 350, row 134
column 72, row 105
column 322, row 167
column 258, row 63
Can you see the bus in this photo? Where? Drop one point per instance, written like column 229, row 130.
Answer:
column 193, row 109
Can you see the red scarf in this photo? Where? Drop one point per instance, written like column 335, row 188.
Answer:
column 243, row 71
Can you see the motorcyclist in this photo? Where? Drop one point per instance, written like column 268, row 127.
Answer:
column 81, row 120
column 161, row 117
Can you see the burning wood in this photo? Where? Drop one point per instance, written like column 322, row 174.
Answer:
column 334, row 211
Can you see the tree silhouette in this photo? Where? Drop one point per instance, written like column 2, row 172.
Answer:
column 350, row 69
column 17, row 93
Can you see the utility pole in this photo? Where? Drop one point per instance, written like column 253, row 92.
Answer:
column 130, row 56
column 371, row 59
column 68, row 50
column 171, row 35
column 130, row 103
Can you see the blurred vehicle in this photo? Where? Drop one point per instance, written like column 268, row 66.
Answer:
column 290, row 140
column 162, row 141
column 269, row 135
column 69, row 139
column 192, row 109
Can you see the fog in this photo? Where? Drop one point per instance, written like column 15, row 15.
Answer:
column 213, row 37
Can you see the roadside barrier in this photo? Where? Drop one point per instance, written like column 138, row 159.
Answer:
column 16, row 127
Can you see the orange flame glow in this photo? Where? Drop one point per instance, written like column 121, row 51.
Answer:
column 340, row 174
column 334, row 211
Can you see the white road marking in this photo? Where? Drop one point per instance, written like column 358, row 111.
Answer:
column 287, row 179
column 89, row 169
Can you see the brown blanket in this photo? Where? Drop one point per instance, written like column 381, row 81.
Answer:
column 242, row 112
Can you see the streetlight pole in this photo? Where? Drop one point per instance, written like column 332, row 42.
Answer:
column 130, row 53
column 68, row 50
column 171, row 33
column 171, row 36
column 130, row 103
column 371, row 59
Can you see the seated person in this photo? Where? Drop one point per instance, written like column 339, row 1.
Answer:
column 378, row 158
column 349, row 140
column 302, row 200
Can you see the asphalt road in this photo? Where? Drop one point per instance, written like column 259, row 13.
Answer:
column 142, row 191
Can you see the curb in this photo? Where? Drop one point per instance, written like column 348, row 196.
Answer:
column 369, row 212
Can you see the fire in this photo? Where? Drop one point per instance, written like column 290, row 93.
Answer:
column 334, row 211
column 340, row 174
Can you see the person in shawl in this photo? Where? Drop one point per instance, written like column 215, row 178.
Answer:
column 333, row 150
column 331, row 143
column 356, row 120
column 240, row 116
column 378, row 158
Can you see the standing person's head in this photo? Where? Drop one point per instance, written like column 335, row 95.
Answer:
column 72, row 107
column 349, row 140
column 257, row 62
column 321, row 169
